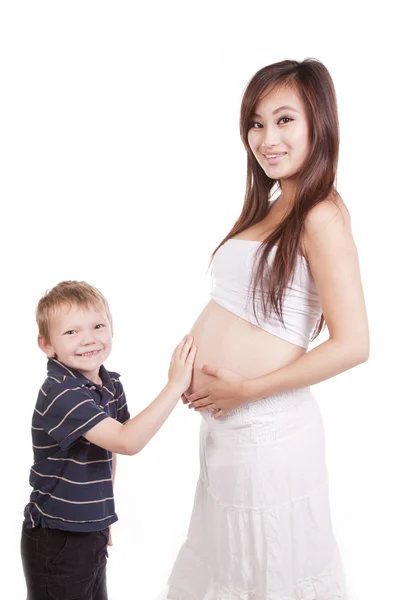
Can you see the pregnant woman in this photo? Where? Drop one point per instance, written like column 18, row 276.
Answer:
column 261, row 526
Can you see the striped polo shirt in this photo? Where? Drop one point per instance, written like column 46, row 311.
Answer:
column 71, row 477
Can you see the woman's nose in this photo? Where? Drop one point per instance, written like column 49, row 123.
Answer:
column 270, row 138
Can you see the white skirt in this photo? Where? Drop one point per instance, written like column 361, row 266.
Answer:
column 261, row 526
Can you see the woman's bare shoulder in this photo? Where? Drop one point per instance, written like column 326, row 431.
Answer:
column 331, row 212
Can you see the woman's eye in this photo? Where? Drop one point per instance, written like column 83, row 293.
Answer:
column 255, row 125
column 286, row 119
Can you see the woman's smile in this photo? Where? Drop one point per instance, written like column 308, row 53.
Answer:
column 274, row 159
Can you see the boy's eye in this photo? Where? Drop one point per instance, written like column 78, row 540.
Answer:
column 70, row 332
column 100, row 326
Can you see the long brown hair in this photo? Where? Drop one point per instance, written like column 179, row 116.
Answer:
column 315, row 181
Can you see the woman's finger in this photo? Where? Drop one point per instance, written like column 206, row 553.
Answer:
column 203, row 393
column 206, row 401
column 218, row 413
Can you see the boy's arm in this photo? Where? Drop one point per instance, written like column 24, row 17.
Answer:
column 114, row 469
column 133, row 436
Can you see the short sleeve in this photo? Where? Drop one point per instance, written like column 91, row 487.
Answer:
column 68, row 412
column 122, row 407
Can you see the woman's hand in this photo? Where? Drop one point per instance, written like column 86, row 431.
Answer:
column 181, row 366
column 221, row 395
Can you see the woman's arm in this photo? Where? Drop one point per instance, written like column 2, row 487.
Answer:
column 333, row 260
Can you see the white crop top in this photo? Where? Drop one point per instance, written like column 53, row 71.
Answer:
column 232, row 278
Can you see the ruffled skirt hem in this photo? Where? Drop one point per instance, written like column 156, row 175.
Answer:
column 198, row 583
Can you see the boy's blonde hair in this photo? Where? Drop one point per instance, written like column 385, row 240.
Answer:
column 68, row 293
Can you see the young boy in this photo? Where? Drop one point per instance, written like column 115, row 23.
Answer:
column 80, row 422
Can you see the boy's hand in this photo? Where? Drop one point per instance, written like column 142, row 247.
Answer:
column 110, row 542
column 181, row 367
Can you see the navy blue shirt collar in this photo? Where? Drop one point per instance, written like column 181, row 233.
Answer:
column 55, row 368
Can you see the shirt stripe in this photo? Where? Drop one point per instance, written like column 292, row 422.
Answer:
column 71, row 478
column 69, row 481
column 79, row 462
column 67, row 520
column 74, row 501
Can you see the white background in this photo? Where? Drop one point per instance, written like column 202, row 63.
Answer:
column 122, row 165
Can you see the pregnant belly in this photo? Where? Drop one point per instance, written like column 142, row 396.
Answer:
column 226, row 340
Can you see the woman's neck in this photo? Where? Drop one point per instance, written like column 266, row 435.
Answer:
column 288, row 190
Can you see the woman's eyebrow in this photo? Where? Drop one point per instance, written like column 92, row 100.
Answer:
column 286, row 107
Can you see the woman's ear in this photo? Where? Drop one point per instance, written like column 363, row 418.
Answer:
column 46, row 347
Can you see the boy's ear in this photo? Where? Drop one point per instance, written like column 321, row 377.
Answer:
column 45, row 346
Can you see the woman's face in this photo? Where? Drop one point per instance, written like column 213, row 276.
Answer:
column 279, row 133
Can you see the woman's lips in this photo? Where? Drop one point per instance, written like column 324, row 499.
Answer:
column 274, row 159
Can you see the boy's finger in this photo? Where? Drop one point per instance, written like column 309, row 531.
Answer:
column 186, row 347
column 110, row 542
column 192, row 355
column 178, row 349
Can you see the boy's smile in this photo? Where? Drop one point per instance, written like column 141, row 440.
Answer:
column 80, row 338
column 92, row 353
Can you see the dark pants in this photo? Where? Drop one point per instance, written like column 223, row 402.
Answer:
column 64, row 565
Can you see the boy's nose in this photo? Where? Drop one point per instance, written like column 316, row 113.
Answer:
column 88, row 339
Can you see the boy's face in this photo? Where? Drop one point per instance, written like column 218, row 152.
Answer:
column 81, row 338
